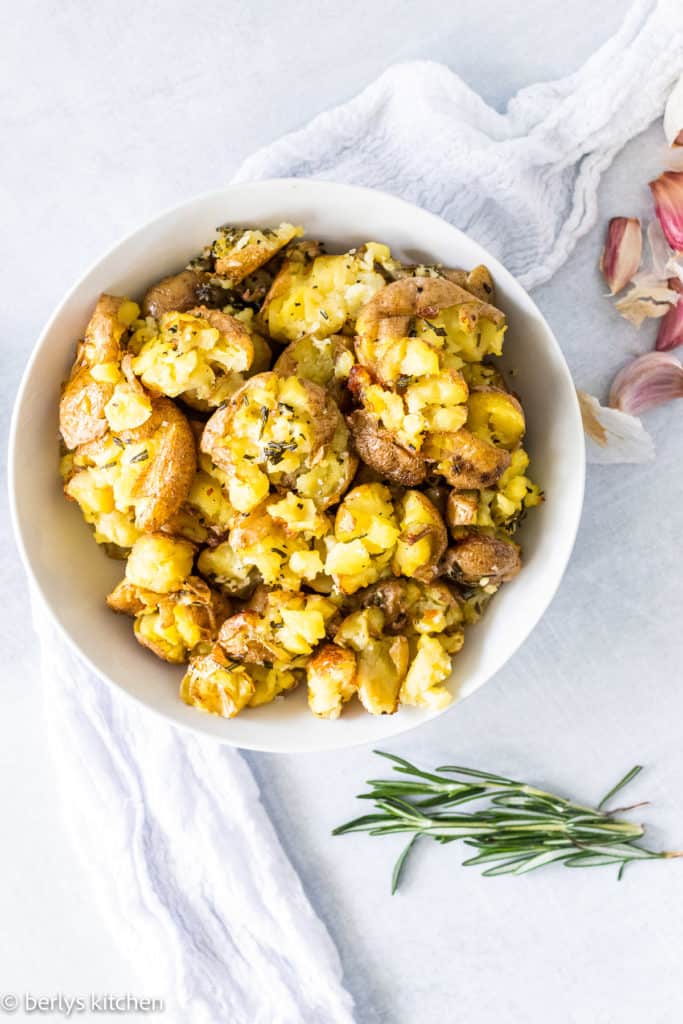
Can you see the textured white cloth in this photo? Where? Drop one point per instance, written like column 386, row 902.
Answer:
column 183, row 859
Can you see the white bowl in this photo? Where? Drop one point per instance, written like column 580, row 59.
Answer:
column 73, row 575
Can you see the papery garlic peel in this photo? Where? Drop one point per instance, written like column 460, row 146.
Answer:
column 647, row 382
column 667, row 191
column 622, row 252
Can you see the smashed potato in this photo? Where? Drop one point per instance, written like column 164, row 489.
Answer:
column 284, row 433
column 138, row 477
column 199, row 355
column 308, row 540
column 322, row 295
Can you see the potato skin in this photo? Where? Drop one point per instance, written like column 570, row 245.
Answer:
column 244, row 638
column 381, row 452
column 81, row 407
column 166, row 483
column 472, row 463
column 482, row 557
column 461, row 508
column 178, row 293
column 423, row 297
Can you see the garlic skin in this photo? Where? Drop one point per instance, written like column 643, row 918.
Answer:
column 613, row 436
column 647, row 382
column 649, row 298
column 667, row 192
column 622, row 253
column 670, row 334
column 673, row 115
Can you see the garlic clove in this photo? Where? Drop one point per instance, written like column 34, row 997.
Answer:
column 647, row 382
column 648, row 298
column 667, row 191
column 622, row 252
column 613, row 436
column 673, row 115
column 670, row 334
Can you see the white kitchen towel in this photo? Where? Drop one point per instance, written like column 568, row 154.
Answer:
column 183, row 858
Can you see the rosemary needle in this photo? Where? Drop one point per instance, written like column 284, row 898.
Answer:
column 514, row 828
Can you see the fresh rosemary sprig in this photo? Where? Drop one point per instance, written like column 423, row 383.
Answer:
column 516, row 829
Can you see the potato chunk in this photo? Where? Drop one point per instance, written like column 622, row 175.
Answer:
column 238, row 252
column 199, row 355
column 159, row 563
column 215, row 684
column 331, row 679
column 382, row 662
column 325, row 361
column 174, row 624
column 96, row 372
column 423, row 685
column 283, row 433
column 365, row 537
column 285, row 630
column 496, row 416
column 422, row 540
column 323, row 295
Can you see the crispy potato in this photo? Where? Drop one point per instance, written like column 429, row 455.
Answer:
column 180, row 293
column 159, row 563
column 365, row 535
column 199, row 355
column 226, row 570
column 496, row 416
column 144, row 474
column 423, row 537
column 272, row 681
column 430, row 667
column 482, row 559
column 285, row 629
column 215, row 684
column 438, row 315
column 331, row 680
column 417, row 411
column 322, row 295
column 412, row 608
column 462, row 508
column 382, row 662
column 466, row 461
column 96, row 372
column 326, row 361
column 379, row 450
column 172, row 624
column 239, row 252
column 283, row 433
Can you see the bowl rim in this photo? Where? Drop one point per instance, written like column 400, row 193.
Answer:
column 36, row 589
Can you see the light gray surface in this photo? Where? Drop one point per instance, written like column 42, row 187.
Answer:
column 116, row 114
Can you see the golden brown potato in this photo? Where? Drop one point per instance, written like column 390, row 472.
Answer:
column 96, row 372
column 331, row 679
column 327, row 362
column 167, row 473
column 378, row 449
column 180, row 293
column 418, row 324
column 496, row 416
column 423, row 537
column 283, row 433
column 382, row 662
column 365, row 534
column 411, row 608
column 217, row 685
column 461, row 509
column 239, row 252
column 482, row 559
column 285, row 629
column 199, row 355
column 140, row 476
column 172, row 624
column 319, row 294
column 466, row 461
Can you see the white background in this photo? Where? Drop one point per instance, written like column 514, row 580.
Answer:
column 113, row 111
